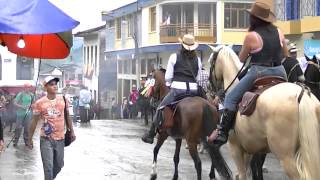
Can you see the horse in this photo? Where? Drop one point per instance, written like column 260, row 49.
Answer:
column 312, row 80
column 188, row 124
column 284, row 122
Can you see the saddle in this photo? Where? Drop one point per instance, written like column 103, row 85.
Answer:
column 249, row 99
column 170, row 110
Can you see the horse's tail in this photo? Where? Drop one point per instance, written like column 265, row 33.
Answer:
column 308, row 153
column 210, row 119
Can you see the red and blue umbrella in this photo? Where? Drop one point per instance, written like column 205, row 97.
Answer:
column 35, row 28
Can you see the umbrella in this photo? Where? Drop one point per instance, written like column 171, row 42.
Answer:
column 46, row 46
column 42, row 29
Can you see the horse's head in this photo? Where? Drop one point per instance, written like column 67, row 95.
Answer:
column 312, row 73
column 159, row 87
column 224, row 66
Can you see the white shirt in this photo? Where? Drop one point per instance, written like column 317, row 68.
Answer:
column 170, row 71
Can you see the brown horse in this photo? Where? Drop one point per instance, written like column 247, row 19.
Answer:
column 281, row 124
column 189, row 124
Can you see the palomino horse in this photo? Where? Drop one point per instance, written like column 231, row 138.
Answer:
column 189, row 124
column 280, row 124
column 312, row 80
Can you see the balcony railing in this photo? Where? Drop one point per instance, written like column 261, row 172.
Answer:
column 204, row 33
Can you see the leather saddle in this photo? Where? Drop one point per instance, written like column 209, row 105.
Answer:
column 170, row 110
column 249, row 99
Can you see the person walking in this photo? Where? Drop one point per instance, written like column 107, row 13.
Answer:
column 23, row 103
column 50, row 111
column 84, row 104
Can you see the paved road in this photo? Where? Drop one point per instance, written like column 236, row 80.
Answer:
column 111, row 150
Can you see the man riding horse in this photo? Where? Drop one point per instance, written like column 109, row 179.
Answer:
column 181, row 75
column 264, row 44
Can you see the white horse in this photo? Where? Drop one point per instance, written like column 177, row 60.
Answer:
column 279, row 124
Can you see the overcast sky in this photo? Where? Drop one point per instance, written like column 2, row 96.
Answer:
column 88, row 12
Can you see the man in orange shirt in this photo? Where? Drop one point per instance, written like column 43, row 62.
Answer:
column 50, row 111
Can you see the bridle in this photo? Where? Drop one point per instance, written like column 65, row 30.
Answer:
column 317, row 65
column 213, row 79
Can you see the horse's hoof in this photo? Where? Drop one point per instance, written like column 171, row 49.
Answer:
column 153, row 177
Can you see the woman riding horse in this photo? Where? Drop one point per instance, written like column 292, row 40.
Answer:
column 182, row 73
column 264, row 43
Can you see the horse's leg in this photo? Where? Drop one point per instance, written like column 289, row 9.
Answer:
column 195, row 156
column 161, row 138
column 289, row 165
column 145, row 109
column 218, row 162
column 239, row 157
column 256, row 166
column 176, row 158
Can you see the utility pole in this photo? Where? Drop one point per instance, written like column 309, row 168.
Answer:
column 136, row 46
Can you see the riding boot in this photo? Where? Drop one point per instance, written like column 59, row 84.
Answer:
column 227, row 121
column 149, row 136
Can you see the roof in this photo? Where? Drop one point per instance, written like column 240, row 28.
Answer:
column 90, row 31
column 121, row 11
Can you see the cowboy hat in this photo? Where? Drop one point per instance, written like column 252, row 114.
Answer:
column 188, row 42
column 262, row 11
column 293, row 48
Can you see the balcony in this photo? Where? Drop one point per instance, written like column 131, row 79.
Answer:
column 204, row 33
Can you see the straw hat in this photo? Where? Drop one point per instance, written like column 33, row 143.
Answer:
column 188, row 42
column 262, row 11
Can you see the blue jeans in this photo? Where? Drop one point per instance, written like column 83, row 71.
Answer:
column 246, row 83
column 22, row 122
column 52, row 154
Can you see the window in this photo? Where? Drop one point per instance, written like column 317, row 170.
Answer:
column 84, row 55
column 119, row 28
column 204, row 14
column 293, row 9
column 25, row 68
column 120, row 64
column 130, row 25
column 134, row 66
column 318, row 8
column 188, row 10
column 143, row 66
column 153, row 17
column 127, row 68
column 151, row 65
column 91, row 60
column 235, row 16
column 88, row 49
column 95, row 58
column 111, row 24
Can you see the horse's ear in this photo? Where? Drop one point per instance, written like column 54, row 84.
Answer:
column 314, row 58
column 307, row 58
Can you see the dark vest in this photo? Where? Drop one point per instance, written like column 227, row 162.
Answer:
column 270, row 54
column 185, row 69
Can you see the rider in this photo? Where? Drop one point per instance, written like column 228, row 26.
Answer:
column 264, row 43
column 181, row 75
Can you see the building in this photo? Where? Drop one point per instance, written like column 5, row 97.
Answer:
column 100, row 75
column 15, row 71
column 299, row 20
column 93, row 48
column 141, row 36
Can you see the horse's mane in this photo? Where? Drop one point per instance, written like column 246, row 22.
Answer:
column 227, row 52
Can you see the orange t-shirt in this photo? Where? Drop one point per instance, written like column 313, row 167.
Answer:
column 51, row 111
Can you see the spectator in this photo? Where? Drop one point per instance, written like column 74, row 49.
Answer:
column 124, row 109
column 133, row 101
column 75, row 105
column 84, row 104
column 50, row 110
column 23, row 103
column 113, row 108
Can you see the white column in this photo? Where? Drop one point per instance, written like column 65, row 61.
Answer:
column 219, row 20
column 195, row 19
